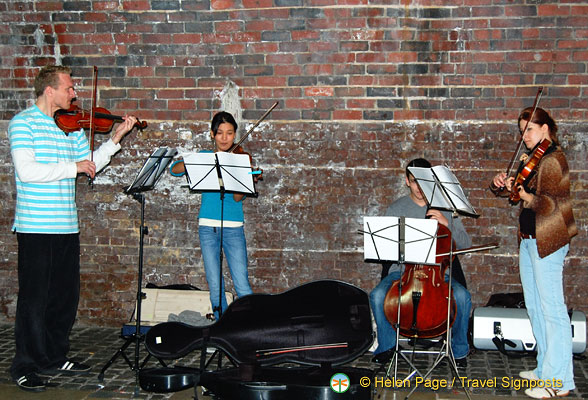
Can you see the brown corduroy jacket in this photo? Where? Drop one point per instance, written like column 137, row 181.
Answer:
column 554, row 219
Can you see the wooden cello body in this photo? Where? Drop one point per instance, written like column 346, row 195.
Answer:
column 423, row 295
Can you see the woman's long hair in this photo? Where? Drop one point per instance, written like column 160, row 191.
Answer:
column 540, row 117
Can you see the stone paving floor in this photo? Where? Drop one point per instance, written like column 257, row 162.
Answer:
column 96, row 346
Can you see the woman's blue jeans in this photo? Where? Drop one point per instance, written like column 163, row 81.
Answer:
column 542, row 280
column 386, row 333
column 235, row 251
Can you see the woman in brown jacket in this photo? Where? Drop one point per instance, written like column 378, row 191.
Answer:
column 546, row 225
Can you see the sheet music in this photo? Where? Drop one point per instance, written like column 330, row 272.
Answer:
column 152, row 169
column 381, row 239
column 235, row 172
column 201, row 171
column 442, row 189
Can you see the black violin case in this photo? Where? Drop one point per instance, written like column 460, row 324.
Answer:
column 282, row 346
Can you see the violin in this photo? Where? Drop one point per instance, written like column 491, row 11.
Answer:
column 238, row 144
column 519, row 146
column 258, row 172
column 178, row 168
column 75, row 118
column 240, row 150
column 527, row 169
column 423, row 296
column 237, row 149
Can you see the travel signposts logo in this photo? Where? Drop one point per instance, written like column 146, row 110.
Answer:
column 340, row 383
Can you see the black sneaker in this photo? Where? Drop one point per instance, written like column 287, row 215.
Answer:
column 73, row 367
column 383, row 357
column 461, row 362
column 31, row 383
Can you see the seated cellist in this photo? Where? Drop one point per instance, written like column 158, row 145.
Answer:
column 414, row 205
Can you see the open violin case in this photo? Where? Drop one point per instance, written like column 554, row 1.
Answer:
column 282, row 346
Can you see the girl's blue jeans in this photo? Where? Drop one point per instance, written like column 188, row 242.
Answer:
column 235, row 252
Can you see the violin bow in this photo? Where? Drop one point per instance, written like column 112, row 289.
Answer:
column 253, row 127
column 92, row 112
column 282, row 350
column 535, row 104
column 472, row 249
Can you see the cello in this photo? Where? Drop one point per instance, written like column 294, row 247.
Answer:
column 423, row 294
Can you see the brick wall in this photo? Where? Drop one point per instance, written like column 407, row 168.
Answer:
column 363, row 87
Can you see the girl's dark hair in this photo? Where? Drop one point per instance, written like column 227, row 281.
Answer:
column 417, row 162
column 540, row 117
column 220, row 118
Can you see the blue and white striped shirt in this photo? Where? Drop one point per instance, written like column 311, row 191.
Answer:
column 45, row 172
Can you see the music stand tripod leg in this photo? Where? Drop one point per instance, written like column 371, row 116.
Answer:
column 119, row 352
column 146, row 179
column 443, row 191
column 137, row 337
column 402, row 242
column 446, row 350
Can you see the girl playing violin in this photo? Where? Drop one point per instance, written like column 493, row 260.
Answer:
column 223, row 129
column 546, row 226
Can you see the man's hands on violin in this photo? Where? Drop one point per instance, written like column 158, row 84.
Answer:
column 502, row 181
column 86, row 167
column 123, row 128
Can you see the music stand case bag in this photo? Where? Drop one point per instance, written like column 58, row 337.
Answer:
column 257, row 332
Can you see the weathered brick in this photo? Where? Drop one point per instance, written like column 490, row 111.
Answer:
column 361, row 90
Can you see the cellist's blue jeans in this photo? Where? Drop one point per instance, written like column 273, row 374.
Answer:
column 386, row 333
column 235, row 251
column 542, row 280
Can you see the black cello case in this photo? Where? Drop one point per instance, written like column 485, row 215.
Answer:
column 283, row 346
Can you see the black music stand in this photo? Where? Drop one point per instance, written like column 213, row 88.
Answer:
column 401, row 240
column 145, row 180
column 443, row 191
column 220, row 172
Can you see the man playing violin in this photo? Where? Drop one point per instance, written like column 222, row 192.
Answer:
column 546, row 226
column 414, row 205
column 46, row 163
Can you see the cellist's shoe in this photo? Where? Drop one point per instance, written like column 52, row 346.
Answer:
column 461, row 362
column 383, row 357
